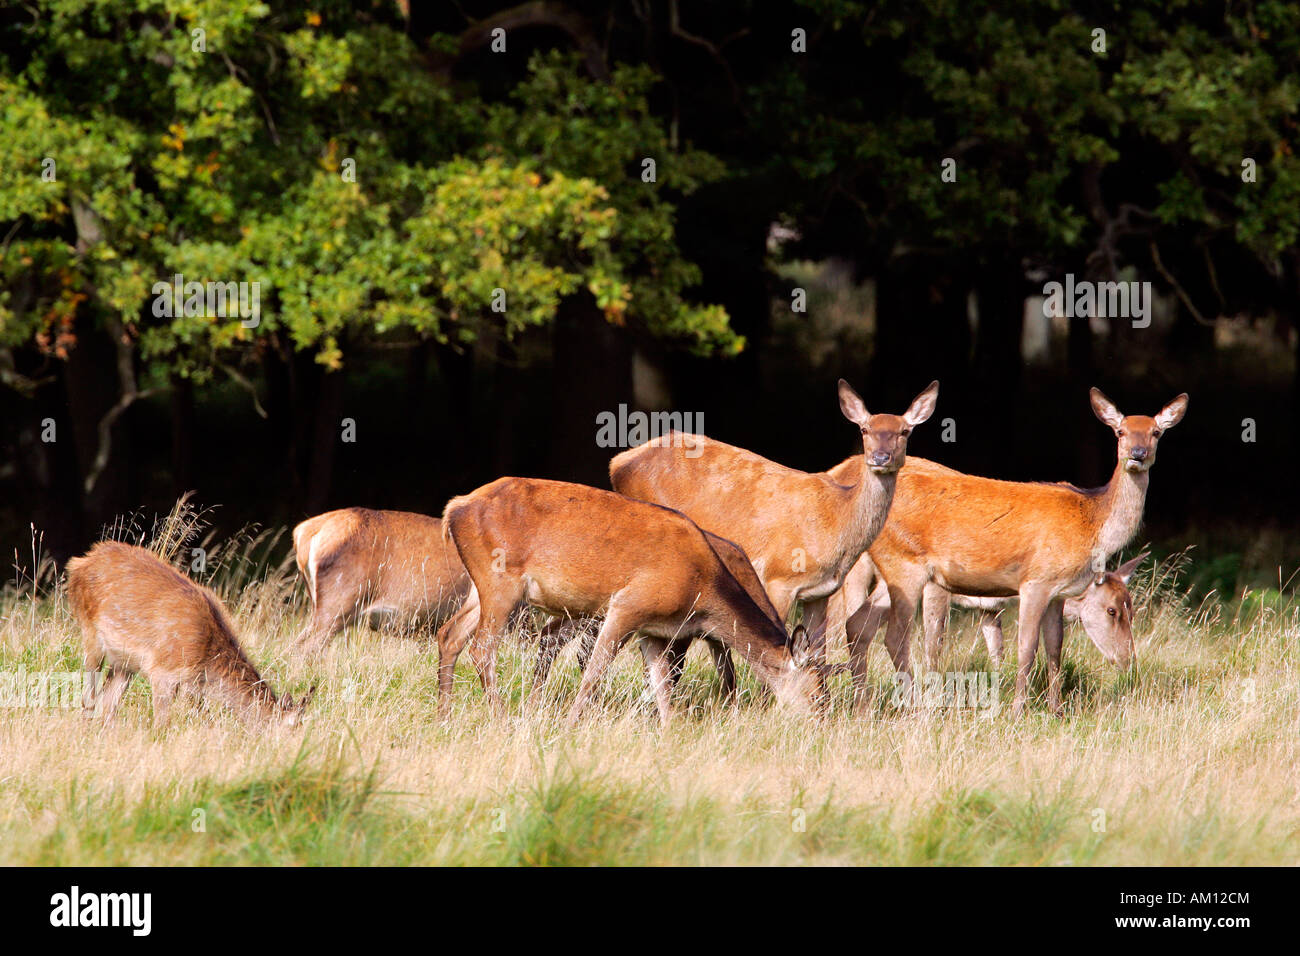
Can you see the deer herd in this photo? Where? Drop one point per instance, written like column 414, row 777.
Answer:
column 697, row 539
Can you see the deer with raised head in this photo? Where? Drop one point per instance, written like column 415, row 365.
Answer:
column 358, row 562
column 988, row 538
column 138, row 614
column 583, row 552
column 802, row 531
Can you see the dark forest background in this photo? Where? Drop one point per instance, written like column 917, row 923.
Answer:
column 797, row 145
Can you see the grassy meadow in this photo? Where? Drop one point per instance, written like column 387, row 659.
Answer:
column 1190, row 760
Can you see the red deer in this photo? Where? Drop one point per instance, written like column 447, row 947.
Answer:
column 141, row 615
column 578, row 551
column 737, row 562
column 988, row 538
column 357, row 561
column 1105, row 609
column 802, row 531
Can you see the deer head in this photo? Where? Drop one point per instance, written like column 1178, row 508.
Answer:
column 1138, row 434
column 1105, row 610
column 884, row 437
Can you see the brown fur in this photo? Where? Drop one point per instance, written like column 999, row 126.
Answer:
column 1105, row 609
column 357, row 560
column 991, row 538
column 802, row 531
column 579, row 551
column 138, row 614
column 737, row 562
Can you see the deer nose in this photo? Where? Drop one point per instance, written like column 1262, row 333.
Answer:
column 881, row 458
column 1138, row 454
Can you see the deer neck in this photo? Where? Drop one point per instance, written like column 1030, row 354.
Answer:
column 869, row 507
column 743, row 627
column 1121, row 511
column 230, row 677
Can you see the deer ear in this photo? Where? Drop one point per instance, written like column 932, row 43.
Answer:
column 922, row 406
column 1105, row 409
column 854, row 409
column 800, row 646
column 1125, row 570
column 1172, row 413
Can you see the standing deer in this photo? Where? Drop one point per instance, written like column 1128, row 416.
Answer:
column 984, row 537
column 574, row 550
column 802, row 531
column 357, row 561
column 140, row 614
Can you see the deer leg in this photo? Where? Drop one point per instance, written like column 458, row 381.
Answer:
column 725, row 667
column 614, row 632
column 934, row 612
column 859, row 630
column 586, row 644
column 92, row 679
column 659, row 664
column 814, row 621
column 836, row 619
column 902, row 607
column 494, row 614
column 452, row 637
column 1033, row 601
column 556, row 633
column 329, row 615
column 991, row 628
column 164, row 695
column 114, row 688
column 1053, row 637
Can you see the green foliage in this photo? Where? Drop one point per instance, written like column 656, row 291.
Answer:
column 1019, row 96
column 229, row 156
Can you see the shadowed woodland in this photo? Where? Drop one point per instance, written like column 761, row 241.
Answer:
column 380, row 169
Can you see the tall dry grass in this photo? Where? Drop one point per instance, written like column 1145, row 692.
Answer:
column 1192, row 759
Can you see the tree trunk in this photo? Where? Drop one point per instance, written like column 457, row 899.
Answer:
column 591, row 374
column 327, row 433
column 183, row 425
column 998, row 367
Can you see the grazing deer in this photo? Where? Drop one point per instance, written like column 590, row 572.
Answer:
column 357, row 561
column 737, row 562
column 1105, row 609
column 579, row 551
column 140, row 614
column 802, row 531
column 988, row 538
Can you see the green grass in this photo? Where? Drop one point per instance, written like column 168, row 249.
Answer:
column 1192, row 759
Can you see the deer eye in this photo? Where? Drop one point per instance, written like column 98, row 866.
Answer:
column 905, row 432
column 1110, row 611
column 1155, row 433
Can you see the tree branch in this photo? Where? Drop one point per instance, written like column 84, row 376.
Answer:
column 536, row 13
column 675, row 27
column 130, row 395
column 1178, row 289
